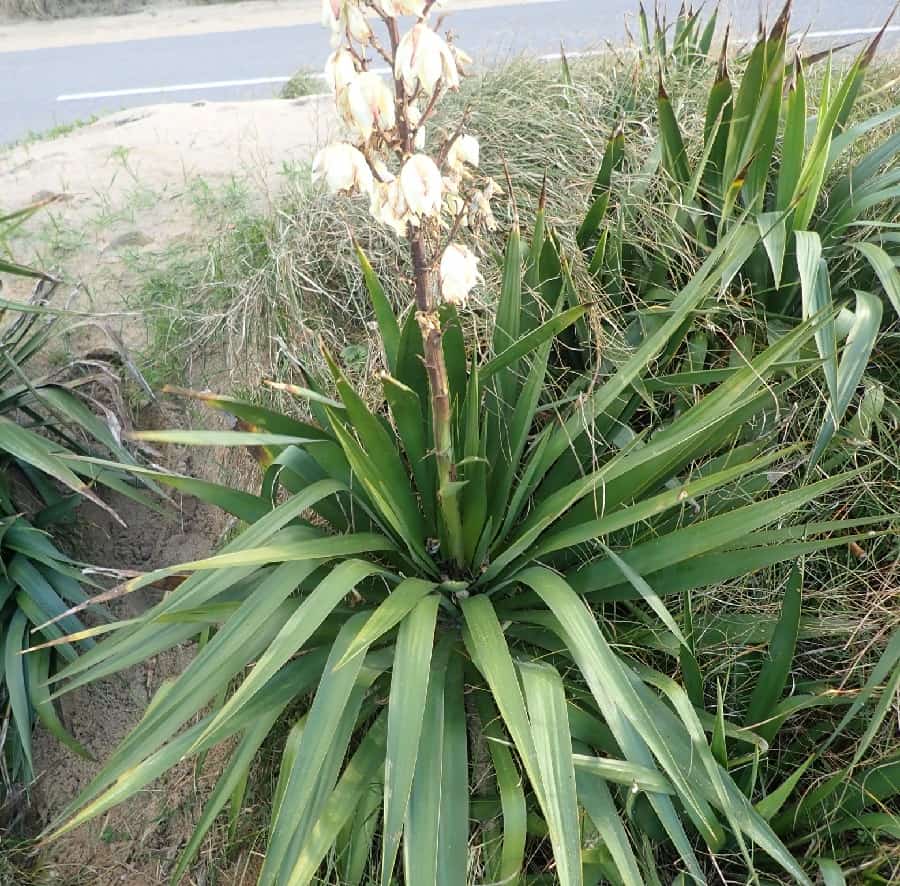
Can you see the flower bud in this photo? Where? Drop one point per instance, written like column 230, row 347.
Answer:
column 459, row 274
column 420, row 183
column 424, row 59
column 464, row 150
column 344, row 168
column 370, row 105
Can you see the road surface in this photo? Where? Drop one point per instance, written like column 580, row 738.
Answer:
column 46, row 86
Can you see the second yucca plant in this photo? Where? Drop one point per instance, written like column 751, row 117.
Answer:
column 445, row 590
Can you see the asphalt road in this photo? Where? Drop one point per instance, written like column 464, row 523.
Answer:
column 41, row 88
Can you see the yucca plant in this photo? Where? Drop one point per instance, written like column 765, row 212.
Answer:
column 445, row 591
column 811, row 254
column 42, row 420
column 686, row 42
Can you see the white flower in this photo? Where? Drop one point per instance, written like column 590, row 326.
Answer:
column 463, row 59
column 423, row 59
column 370, row 105
column 344, row 168
column 463, row 150
column 459, row 274
column 340, row 71
column 391, row 8
column 357, row 25
column 379, row 167
column 420, row 183
column 410, row 7
column 481, row 213
column 389, row 207
column 332, row 13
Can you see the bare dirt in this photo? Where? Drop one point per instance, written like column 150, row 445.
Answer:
column 128, row 185
column 138, row 842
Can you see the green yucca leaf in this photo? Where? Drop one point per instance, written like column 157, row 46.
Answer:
column 235, row 773
column 453, row 838
column 674, row 155
column 770, row 805
column 354, row 842
column 422, row 825
column 854, row 360
column 553, row 750
column 409, row 419
column 325, row 737
column 409, row 689
column 700, row 538
column 716, row 127
column 616, row 699
column 507, row 863
column 243, row 505
column 815, row 293
column 776, row 668
column 388, row 326
column 885, row 269
column 349, row 793
column 773, row 229
column 475, row 471
column 389, row 613
column 598, row 804
column 531, row 341
column 297, row 630
column 600, row 193
column 16, row 683
column 34, row 450
column 37, row 666
column 733, row 250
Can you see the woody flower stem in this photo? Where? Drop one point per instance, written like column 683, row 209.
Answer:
column 427, row 289
column 427, row 294
column 416, row 195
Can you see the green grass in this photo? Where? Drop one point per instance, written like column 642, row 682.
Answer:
column 304, row 83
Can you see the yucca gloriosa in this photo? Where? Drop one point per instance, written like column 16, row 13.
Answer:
column 446, row 590
column 768, row 154
column 42, row 421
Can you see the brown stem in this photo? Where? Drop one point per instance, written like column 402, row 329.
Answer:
column 427, row 301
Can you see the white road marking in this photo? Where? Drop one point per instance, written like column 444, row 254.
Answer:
column 189, row 87
column 262, row 81
column 844, row 32
column 176, row 87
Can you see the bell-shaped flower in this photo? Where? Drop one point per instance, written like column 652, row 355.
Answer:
column 389, row 207
column 370, row 105
column 464, row 150
column 459, row 274
column 344, row 168
column 421, row 185
column 332, row 14
column 423, row 59
column 340, row 71
column 392, row 8
column 357, row 24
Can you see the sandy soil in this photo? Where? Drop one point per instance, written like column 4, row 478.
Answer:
column 157, row 152
column 125, row 183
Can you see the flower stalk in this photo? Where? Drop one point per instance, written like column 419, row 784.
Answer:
column 420, row 196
